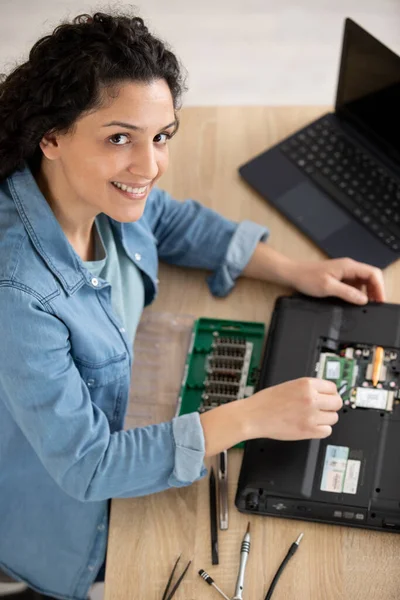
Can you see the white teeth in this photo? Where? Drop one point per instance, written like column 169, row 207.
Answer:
column 129, row 189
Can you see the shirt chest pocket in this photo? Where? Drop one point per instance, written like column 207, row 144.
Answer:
column 108, row 384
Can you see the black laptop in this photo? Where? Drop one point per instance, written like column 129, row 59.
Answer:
column 353, row 476
column 338, row 179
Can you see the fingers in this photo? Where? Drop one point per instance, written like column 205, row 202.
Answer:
column 329, row 402
column 374, row 281
column 371, row 276
column 327, row 397
column 323, row 431
column 376, row 290
column 327, row 417
column 323, row 386
column 347, row 292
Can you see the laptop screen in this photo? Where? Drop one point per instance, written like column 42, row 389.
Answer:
column 369, row 88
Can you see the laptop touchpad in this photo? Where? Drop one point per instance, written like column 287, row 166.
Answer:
column 314, row 212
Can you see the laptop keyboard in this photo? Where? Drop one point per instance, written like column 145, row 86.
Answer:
column 349, row 175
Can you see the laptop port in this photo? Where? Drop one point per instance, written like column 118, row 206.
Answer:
column 392, row 524
column 252, row 501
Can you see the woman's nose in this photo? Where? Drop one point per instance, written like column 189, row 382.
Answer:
column 144, row 163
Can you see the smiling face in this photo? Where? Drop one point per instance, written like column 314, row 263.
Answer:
column 114, row 155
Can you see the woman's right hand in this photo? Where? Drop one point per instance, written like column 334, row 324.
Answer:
column 295, row 410
column 300, row 409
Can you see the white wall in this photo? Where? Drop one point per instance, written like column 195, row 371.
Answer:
column 236, row 52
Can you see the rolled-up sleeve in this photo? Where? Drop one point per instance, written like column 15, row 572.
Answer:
column 51, row 404
column 189, row 450
column 240, row 249
column 191, row 235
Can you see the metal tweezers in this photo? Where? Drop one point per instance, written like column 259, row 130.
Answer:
column 167, row 596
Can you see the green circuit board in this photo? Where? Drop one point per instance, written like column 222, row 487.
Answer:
column 222, row 363
column 339, row 369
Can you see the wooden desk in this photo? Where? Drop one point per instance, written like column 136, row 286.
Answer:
column 147, row 534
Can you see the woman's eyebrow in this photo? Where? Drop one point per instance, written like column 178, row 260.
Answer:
column 135, row 127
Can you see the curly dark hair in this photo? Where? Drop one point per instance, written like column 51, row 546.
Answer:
column 66, row 74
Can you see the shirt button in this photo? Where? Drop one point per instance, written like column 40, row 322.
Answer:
column 138, row 256
column 101, row 527
column 122, row 329
column 90, row 568
column 95, row 282
column 90, row 382
column 157, row 281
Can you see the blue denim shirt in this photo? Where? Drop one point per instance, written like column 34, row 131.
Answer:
column 65, row 376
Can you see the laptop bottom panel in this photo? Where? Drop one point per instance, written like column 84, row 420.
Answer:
column 352, row 477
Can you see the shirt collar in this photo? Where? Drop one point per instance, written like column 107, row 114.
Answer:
column 45, row 231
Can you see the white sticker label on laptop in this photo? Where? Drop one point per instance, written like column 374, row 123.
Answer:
column 332, row 369
column 351, row 477
column 334, row 471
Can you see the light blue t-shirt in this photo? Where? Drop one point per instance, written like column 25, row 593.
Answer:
column 112, row 264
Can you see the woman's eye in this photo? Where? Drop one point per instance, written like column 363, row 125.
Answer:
column 162, row 138
column 119, row 139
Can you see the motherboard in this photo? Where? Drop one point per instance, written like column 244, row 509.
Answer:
column 367, row 377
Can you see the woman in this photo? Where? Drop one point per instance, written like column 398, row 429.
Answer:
column 84, row 139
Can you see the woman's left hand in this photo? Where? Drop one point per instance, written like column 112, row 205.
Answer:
column 345, row 278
